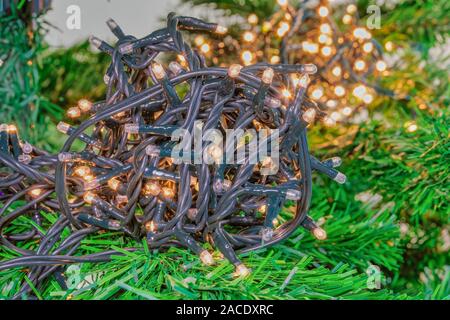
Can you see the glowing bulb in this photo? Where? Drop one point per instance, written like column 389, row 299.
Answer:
column 205, row 48
column 247, row 57
column 310, row 47
column 347, row 19
column 267, row 76
column 331, row 104
column 89, row 178
column 73, row 112
column 221, row 29
column 234, row 70
column 63, row 127
column 114, row 184
column 411, row 126
column 359, row 91
column 252, row 19
column 199, row 40
column 336, row 116
column 368, row 47
column 282, row 3
column 89, row 197
column 175, row 67
column 323, row 11
column 323, row 38
column 326, row 51
column 206, row 258
column 389, row 46
column 339, row 91
column 309, row 115
column 317, row 93
column 168, row 193
column 337, row 71
column 286, row 93
column 361, row 33
column 283, row 29
column 380, row 65
column 84, row 105
column 360, row 65
column 319, row 233
column 35, row 192
column 274, row 59
column 241, row 271
column 367, row 98
column 150, row 226
column 347, row 111
column 82, row 171
column 152, row 188
column 351, row 8
column 325, row 28
column 249, row 36
column 11, row 129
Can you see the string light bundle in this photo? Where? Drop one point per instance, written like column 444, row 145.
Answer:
column 345, row 53
column 126, row 178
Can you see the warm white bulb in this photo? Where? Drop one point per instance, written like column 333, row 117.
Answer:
column 234, row 70
column 323, row 11
column 267, row 76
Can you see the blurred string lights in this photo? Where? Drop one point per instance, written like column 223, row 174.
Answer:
column 349, row 60
column 125, row 178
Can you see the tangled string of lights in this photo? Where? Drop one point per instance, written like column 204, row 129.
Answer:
column 345, row 53
column 125, row 178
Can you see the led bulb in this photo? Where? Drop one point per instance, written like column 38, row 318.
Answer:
column 63, row 127
column 247, row 57
column 267, row 76
column 282, row 3
column 367, row 98
column 359, row 91
column 361, row 33
column 96, row 42
column 206, row 258
column 27, row 148
column 65, row 156
column 175, row 67
column 293, row 194
column 340, row 178
column 234, row 70
column 82, row 171
column 73, row 112
column 24, row 158
column 159, row 71
column 266, row 234
column 325, row 28
column 89, row 197
column 221, row 29
column 317, row 93
column 337, row 71
column 150, row 226
column 326, row 51
column 199, row 40
column 328, row 121
column 241, row 271
column 274, row 59
column 152, row 188
column 310, row 68
column 380, row 65
column 347, row 19
column 359, row 65
column 368, row 47
column 84, row 105
column 35, row 192
column 323, row 11
column 249, row 36
column 319, row 233
column 252, row 19
column 351, row 8
column 114, row 184
column 205, row 48
column 309, row 115
column 168, row 193
column 286, row 93
column 339, row 91
column 336, row 161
